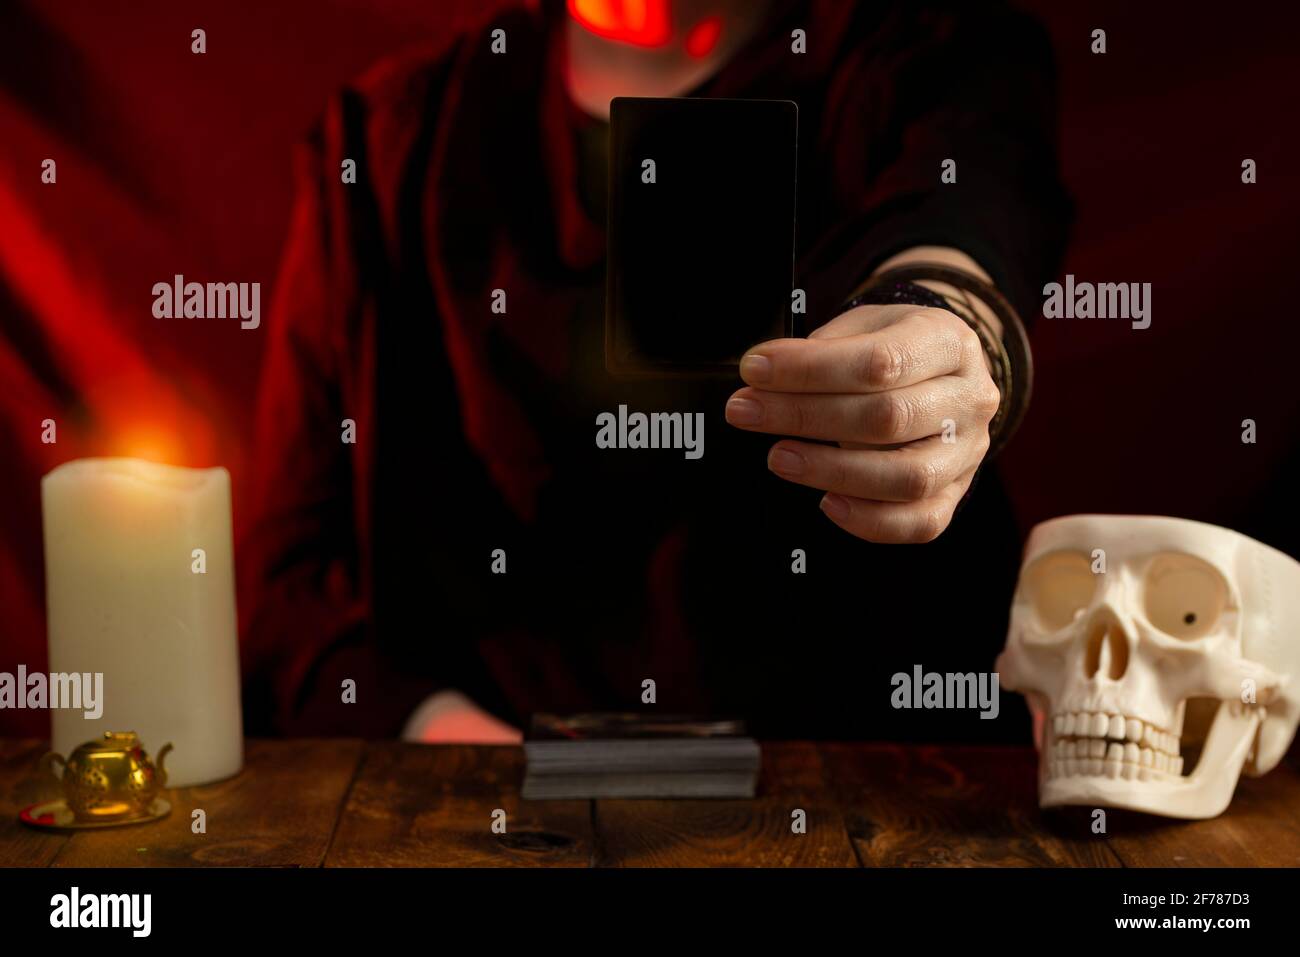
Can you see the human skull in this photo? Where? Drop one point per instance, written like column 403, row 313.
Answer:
column 1160, row 658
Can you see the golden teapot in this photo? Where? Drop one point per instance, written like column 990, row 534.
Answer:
column 110, row 779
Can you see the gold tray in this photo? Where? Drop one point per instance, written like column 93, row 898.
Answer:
column 57, row 816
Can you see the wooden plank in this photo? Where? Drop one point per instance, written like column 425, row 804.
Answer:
column 432, row 806
column 1260, row 828
column 756, row 833
column 22, row 784
column 278, row 812
column 927, row 806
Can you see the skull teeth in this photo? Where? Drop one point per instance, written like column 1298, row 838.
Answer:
column 1111, row 745
column 1114, row 769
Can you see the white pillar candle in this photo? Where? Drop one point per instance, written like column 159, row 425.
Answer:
column 139, row 571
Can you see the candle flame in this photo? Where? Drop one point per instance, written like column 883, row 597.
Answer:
column 150, row 443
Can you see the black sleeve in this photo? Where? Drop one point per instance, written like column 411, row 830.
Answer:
column 976, row 87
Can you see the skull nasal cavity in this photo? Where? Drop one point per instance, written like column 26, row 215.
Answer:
column 1107, row 652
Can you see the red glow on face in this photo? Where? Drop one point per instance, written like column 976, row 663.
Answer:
column 643, row 23
column 704, row 36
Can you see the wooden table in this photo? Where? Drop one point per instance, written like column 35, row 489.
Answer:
column 348, row 803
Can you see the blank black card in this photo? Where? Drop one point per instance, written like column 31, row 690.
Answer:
column 701, row 231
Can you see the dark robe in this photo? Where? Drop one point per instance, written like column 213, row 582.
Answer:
column 475, row 431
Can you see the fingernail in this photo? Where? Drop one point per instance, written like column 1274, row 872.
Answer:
column 755, row 369
column 836, row 506
column 786, row 462
column 744, row 412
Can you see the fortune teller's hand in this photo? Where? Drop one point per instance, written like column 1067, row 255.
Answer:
column 904, row 390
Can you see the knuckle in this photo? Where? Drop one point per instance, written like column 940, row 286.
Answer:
column 838, row 476
column 968, row 340
column 893, row 418
column 883, row 365
column 875, row 528
column 801, row 372
column 931, row 524
column 920, row 479
column 988, row 399
column 798, row 418
column 949, row 320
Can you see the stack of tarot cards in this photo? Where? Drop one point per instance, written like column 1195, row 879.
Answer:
column 634, row 756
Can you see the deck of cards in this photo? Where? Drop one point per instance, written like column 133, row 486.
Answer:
column 633, row 756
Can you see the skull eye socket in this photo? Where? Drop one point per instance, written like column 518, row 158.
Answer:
column 1184, row 596
column 1059, row 586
